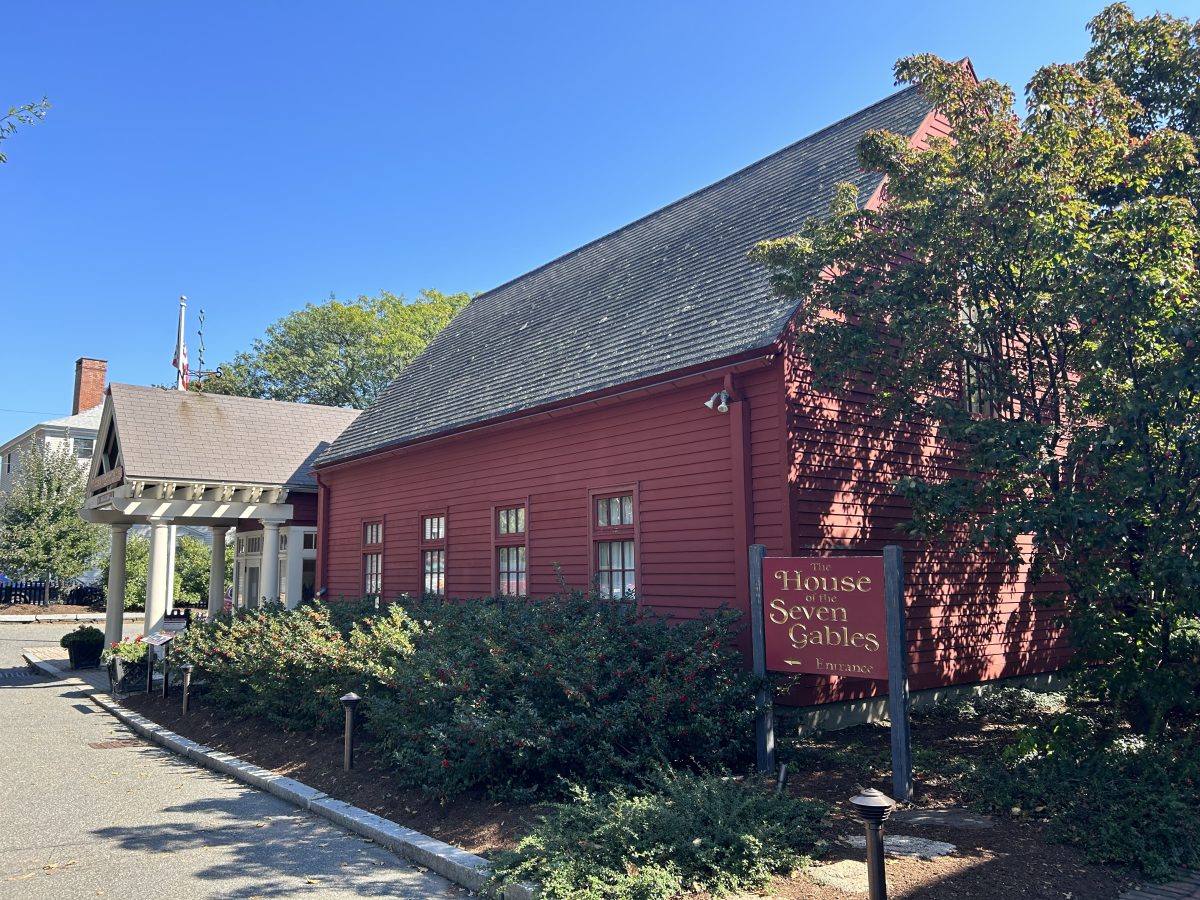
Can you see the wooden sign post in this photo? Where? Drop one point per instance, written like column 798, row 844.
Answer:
column 764, row 723
column 897, row 639
column 834, row 615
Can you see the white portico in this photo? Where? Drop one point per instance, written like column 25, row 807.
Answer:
column 228, row 463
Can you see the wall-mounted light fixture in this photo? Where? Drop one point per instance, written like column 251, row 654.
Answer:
column 719, row 401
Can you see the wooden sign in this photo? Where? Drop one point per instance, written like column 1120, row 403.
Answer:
column 825, row 616
column 108, row 479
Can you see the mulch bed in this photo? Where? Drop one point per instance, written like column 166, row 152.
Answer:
column 36, row 609
column 473, row 823
column 1011, row 860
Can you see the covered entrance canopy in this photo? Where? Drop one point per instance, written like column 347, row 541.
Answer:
column 165, row 458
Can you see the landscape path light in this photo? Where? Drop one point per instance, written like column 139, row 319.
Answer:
column 874, row 807
column 349, row 702
column 187, row 684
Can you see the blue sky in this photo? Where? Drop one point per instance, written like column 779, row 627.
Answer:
column 258, row 156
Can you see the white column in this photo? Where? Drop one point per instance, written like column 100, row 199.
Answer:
column 156, row 577
column 171, row 568
column 114, row 610
column 268, row 576
column 295, row 566
column 216, row 572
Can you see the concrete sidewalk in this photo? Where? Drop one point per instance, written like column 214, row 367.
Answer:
column 91, row 810
column 47, row 618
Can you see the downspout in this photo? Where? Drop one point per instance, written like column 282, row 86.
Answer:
column 743, row 497
column 322, row 536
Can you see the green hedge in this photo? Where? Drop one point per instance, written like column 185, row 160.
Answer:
column 291, row 666
column 499, row 694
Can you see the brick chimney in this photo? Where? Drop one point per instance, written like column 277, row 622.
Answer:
column 89, row 384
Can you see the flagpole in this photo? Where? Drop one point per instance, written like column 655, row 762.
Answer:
column 181, row 368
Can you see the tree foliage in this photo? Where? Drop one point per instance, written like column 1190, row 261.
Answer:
column 28, row 114
column 40, row 529
column 337, row 354
column 192, row 557
column 1044, row 267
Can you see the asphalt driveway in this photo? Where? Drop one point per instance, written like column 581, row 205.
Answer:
column 89, row 810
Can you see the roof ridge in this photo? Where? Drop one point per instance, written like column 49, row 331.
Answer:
column 700, row 190
column 148, row 388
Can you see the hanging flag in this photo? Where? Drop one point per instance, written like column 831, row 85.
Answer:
column 180, row 361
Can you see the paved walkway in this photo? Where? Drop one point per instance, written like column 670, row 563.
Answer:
column 1187, row 888
column 89, row 810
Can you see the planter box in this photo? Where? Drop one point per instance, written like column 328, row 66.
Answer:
column 126, row 677
column 85, row 656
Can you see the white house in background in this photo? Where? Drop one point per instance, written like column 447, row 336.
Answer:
column 76, row 431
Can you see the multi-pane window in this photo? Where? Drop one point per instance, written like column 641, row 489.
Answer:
column 434, row 528
column 612, row 512
column 433, row 555
column 372, row 574
column 84, row 447
column 433, row 565
column 614, row 544
column 614, row 568
column 511, row 570
column 510, row 551
column 372, row 566
column 510, row 521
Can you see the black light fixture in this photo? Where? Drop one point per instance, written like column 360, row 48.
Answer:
column 719, row 401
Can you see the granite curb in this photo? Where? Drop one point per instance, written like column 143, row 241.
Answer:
column 50, row 618
column 454, row 863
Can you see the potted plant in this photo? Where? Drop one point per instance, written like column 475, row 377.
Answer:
column 126, row 661
column 84, row 646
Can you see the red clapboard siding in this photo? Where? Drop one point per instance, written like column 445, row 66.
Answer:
column 677, row 452
column 972, row 616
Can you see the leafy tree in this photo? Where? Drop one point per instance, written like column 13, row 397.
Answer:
column 41, row 533
column 1029, row 289
column 192, row 556
column 29, row 114
column 137, row 567
column 338, row 354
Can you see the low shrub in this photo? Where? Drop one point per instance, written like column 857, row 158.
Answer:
column 83, row 636
column 1000, row 705
column 1126, row 799
column 510, row 695
column 291, row 666
column 684, row 832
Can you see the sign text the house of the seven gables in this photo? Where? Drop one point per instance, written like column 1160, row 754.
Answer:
column 825, row 616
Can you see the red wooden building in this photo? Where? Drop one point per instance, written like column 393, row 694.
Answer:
column 634, row 414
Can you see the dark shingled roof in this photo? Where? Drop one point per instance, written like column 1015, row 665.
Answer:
column 672, row 290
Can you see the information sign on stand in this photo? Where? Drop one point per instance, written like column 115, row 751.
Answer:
column 835, row 616
column 159, row 638
column 825, row 615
